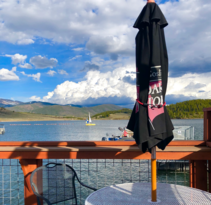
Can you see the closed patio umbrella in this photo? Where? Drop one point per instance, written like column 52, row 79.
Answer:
column 149, row 120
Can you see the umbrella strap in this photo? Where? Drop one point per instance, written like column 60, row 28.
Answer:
column 146, row 104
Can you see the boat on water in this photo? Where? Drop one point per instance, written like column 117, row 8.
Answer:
column 89, row 121
column 2, row 129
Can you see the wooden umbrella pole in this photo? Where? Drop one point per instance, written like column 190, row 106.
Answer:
column 154, row 175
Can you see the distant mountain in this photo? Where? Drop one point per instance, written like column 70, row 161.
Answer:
column 9, row 103
column 40, row 102
column 62, row 110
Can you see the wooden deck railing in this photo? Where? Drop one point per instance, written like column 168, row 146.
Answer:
column 31, row 154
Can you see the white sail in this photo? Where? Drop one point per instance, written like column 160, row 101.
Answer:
column 90, row 118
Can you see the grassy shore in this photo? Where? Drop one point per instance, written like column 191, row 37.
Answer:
column 116, row 116
column 11, row 116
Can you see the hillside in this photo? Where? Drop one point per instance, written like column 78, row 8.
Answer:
column 7, row 115
column 188, row 109
column 8, row 103
column 63, row 110
column 124, row 113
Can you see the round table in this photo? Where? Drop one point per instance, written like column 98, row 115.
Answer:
column 140, row 193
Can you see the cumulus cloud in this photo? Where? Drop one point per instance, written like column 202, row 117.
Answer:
column 117, row 87
column 25, row 41
column 35, row 98
column 194, row 86
column 11, row 34
column 26, row 65
column 96, row 88
column 8, row 75
column 62, row 72
column 106, row 28
column 111, row 45
column 17, row 58
column 129, row 79
column 188, row 36
column 14, row 69
column 35, row 77
column 51, row 72
column 43, row 62
column 21, row 24
column 189, row 86
column 90, row 66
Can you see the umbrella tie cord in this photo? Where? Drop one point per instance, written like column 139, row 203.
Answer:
column 146, row 104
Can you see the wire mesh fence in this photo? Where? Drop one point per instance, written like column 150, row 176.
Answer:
column 11, row 182
column 96, row 173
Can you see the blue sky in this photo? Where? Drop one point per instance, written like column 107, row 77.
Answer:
column 83, row 52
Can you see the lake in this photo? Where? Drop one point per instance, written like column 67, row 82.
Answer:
column 77, row 130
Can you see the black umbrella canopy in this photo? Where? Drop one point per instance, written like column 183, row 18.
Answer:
column 149, row 120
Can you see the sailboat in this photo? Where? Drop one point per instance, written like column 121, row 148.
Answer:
column 89, row 121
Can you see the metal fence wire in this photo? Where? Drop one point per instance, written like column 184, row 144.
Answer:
column 97, row 173
column 11, row 182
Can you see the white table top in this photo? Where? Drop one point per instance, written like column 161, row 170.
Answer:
column 140, row 193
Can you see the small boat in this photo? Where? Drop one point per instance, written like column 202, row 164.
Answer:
column 89, row 121
column 2, row 129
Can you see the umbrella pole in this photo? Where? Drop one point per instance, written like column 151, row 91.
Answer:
column 153, row 175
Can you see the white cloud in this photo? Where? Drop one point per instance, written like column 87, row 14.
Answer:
column 78, row 56
column 43, row 62
column 78, row 49
column 106, row 26
column 118, row 87
column 51, row 72
column 14, row 69
column 111, row 44
column 8, row 75
column 62, row 72
column 97, row 87
column 26, row 65
column 25, row 41
column 35, row 98
column 17, row 58
column 13, row 35
column 36, row 77
column 195, row 85
column 21, row 24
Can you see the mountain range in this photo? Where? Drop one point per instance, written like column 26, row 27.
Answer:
column 46, row 108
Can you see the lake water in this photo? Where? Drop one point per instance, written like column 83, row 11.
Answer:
column 77, row 130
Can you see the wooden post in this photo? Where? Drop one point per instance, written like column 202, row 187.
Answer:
column 153, row 175
column 207, row 124
column 209, row 175
column 207, row 136
column 198, row 174
column 28, row 166
column 191, row 171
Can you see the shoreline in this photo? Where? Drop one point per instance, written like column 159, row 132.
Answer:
column 71, row 119
column 37, row 120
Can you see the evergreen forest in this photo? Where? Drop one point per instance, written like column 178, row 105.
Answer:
column 188, row 109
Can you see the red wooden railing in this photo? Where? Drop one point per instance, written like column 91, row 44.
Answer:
column 30, row 155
